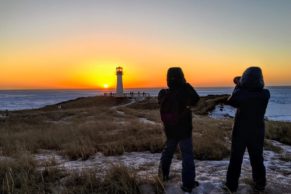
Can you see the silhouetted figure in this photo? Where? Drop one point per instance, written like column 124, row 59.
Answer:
column 251, row 100
column 176, row 115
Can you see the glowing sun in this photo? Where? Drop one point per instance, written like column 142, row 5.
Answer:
column 105, row 86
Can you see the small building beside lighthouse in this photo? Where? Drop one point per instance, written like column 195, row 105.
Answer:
column 119, row 86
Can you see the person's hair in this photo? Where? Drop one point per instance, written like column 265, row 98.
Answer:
column 252, row 79
column 175, row 77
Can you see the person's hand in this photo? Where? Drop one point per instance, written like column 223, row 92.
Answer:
column 236, row 80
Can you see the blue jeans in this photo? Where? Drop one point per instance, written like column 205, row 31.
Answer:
column 188, row 167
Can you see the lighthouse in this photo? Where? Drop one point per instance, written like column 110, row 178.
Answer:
column 119, row 87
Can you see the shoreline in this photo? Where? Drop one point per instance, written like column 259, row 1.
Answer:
column 278, row 108
column 211, row 106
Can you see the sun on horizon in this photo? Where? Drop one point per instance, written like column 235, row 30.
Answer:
column 105, row 86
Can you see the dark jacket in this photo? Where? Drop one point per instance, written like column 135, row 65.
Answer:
column 186, row 96
column 251, row 107
column 251, row 100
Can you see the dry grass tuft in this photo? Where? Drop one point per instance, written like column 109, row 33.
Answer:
column 88, row 125
column 120, row 179
column 280, row 131
column 20, row 175
column 81, row 132
column 158, row 185
column 211, row 138
column 152, row 185
column 85, row 182
column 81, row 148
column 269, row 146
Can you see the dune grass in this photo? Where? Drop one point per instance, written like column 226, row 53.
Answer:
column 21, row 176
column 79, row 129
column 83, row 127
column 81, row 132
column 278, row 130
column 118, row 179
column 78, row 132
column 79, row 135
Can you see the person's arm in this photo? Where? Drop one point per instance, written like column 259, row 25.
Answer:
column 235, row 99
column 194, row 97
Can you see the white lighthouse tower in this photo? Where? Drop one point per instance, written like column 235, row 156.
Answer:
column 119, row 88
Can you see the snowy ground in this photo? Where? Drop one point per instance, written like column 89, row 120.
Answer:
column 210, row 174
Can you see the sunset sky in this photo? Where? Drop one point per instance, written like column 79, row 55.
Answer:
column 78, row 44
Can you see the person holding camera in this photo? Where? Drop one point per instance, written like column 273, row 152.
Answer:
column 250, row 99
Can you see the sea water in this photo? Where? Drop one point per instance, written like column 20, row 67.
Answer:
column 279, row 107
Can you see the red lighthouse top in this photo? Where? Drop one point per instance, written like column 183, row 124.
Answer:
column 119, row 70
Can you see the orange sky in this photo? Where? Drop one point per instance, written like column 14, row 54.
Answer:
column 80, row 47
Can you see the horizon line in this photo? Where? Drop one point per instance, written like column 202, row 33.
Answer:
column 108, row 89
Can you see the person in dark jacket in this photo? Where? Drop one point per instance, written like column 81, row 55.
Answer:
column 175, row 103
column 251, row 100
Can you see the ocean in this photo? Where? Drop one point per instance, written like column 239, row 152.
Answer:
column 279, row 107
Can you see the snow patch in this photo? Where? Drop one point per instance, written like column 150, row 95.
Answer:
column 120, row 112
column 210, row 174
column 146, row 121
